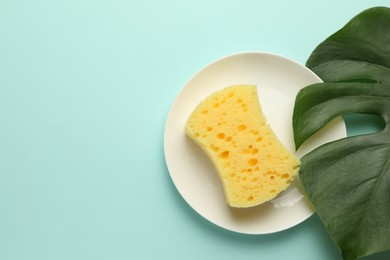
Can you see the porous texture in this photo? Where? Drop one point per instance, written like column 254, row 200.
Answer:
column 253, row 165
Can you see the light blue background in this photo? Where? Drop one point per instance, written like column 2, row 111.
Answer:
column 85, row 88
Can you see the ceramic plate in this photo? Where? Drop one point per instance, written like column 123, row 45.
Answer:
column 278, row 80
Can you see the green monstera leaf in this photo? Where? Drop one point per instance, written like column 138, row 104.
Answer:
column 348, row 180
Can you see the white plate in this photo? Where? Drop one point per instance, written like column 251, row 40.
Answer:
column 278, row 80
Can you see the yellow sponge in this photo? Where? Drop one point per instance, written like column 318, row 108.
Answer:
column 253, row 165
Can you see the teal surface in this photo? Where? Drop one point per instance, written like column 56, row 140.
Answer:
column 85, row 88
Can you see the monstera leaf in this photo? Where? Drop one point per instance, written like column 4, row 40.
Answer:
column 348, row 180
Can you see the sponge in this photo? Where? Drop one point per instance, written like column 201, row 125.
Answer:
column 252, row 164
